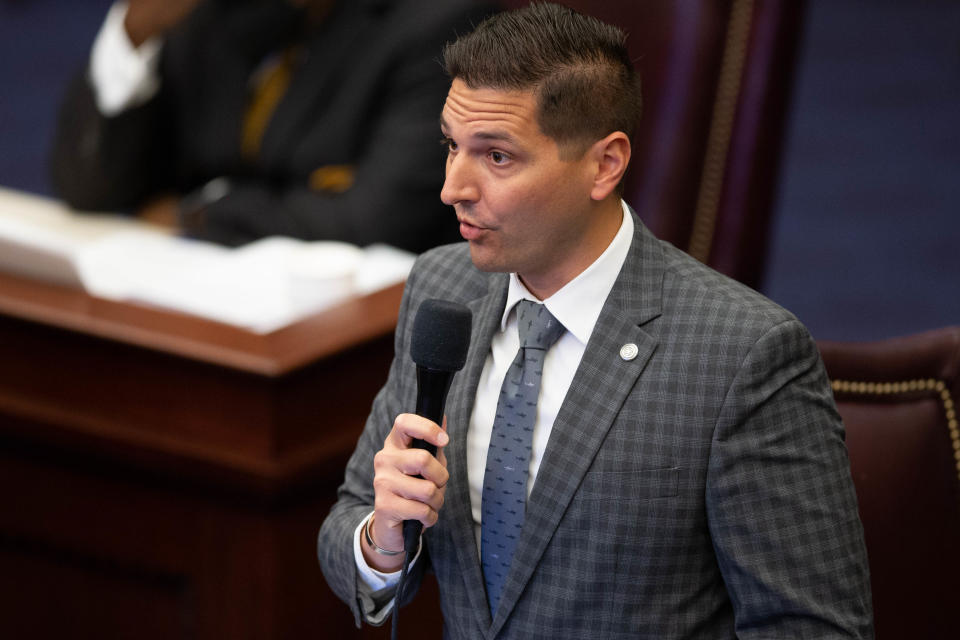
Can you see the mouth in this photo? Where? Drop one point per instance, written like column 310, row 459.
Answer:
column 469, row 230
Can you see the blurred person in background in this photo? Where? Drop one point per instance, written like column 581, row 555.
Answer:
column 232, row 120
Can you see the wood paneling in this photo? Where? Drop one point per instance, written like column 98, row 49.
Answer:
column 164, row 476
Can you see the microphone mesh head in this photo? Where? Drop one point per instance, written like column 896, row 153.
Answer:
column 441, row 335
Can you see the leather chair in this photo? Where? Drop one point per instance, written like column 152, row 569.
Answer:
column 716, row 77
column 897, row 398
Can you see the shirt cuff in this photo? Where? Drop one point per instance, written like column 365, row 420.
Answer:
column 122, row 76
column 375, row 586
column 375, row 580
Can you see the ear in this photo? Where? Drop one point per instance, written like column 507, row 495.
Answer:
column 610, row 157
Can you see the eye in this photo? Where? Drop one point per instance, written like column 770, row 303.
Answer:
column 498, row 157
column 448, row 143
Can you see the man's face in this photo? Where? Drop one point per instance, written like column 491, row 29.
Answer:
column 520, row 206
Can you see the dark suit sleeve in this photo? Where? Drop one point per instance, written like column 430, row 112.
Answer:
column 394, row 197
column 781, row 504
column 398, row 165
column 116, row 163
column 391, row 95
column 355, row 497
column 109, row 163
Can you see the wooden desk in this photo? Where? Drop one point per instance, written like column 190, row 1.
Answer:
column 164, row 476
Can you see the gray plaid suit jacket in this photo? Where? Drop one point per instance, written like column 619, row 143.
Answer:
column 700, row 490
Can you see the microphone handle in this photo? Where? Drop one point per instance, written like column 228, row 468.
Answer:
column 432, row 388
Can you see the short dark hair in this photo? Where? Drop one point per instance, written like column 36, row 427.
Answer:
column 578, row 67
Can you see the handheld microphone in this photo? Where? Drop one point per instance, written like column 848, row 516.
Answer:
column 441, row 338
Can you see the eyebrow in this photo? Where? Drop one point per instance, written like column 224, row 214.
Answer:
column 484, row 135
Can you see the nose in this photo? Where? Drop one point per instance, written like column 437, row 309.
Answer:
column 459, row 186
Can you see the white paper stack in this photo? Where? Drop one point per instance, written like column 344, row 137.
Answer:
column 261, row 287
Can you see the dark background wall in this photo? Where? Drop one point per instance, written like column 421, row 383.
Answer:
column 866, row 235
column 42, row 43
column 866, row 240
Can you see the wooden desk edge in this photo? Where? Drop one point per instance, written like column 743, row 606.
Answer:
column 353, row 322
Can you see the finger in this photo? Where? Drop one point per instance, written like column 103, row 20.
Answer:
column 422, row 512
column 409, row 427
column 389, row 516
column 442, row 460
column 419, row 490
column 394, row 505
column 389, row 463
column 441, row 451
column 416, row 462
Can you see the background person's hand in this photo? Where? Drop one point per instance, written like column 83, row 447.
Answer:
column 148, row 18
column 162, row 211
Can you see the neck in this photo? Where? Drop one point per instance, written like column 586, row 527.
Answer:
column 604, row 222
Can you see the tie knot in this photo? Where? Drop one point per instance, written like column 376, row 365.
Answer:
column 538, row 328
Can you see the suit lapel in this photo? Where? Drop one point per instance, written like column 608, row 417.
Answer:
column 602, row 383
column 457, row 515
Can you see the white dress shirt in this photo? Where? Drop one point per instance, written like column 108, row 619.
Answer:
column 122, row 76
column 576, row 306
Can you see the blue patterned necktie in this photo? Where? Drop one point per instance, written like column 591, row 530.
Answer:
column 508, row 458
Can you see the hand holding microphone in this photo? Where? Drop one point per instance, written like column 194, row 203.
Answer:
column 410, row 471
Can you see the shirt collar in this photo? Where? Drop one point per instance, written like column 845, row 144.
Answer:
column 578, row 303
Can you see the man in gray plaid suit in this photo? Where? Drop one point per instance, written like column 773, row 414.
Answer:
column 687, row 470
